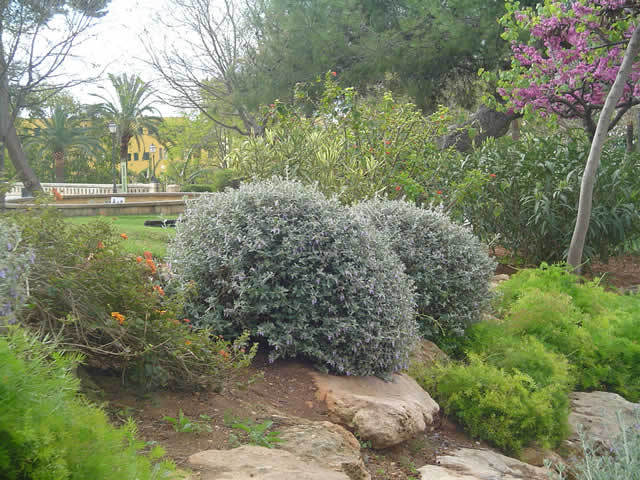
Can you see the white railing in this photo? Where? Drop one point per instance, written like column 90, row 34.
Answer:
column 84, row 188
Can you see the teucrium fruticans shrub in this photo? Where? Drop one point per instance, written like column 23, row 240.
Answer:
column 14, row 264
column 449, row 265
column 301, row 271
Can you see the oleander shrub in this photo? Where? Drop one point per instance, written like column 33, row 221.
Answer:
column 299, row 270
column 504, row 406
column 526, row 192
column 351, row 145
column 49, row 432
column 15, row 262
column 451, row 268
column 112, row 307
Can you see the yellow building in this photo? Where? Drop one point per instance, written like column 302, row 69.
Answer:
column 146, row 154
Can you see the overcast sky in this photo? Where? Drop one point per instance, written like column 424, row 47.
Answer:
column 114, row 45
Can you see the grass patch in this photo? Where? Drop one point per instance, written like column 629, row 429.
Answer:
column 140, row 238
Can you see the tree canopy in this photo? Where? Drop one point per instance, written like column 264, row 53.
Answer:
column 566, row 57
column 31, row 53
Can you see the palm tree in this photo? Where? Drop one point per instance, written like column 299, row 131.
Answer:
column 131, row 109
column 60, row 134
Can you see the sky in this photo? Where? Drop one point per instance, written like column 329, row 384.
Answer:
column 114, row 45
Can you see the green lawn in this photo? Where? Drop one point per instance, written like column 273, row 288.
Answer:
column 141, row 238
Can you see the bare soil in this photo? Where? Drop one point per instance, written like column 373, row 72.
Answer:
column 287, row 390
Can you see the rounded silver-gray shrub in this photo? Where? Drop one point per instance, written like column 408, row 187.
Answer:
column 451, row 268
column 299, row 270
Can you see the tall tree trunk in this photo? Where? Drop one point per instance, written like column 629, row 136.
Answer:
column 58, row 161
column 588, row 178
column 486, row 122
column 11, row 139
column 19, row 160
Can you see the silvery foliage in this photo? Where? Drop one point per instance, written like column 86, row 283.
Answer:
column 449, row 265
column 14, row 266
column 300, row 270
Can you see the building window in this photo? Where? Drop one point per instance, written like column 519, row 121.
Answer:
column 145, row 156
column 129, row 157
column 135, row 157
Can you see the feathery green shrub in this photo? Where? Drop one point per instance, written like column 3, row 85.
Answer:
column 49, row 432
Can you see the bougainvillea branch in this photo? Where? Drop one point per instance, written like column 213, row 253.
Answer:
column 566, row 56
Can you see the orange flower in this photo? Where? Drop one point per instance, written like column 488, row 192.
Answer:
column 138, row 259
column 118, row 316
column 188, row 342
column 224, row 353
column 387, row 142
column 152, row 266
column 56, row 194
column 186, row 320
column 439, row 192
column 492, row 175
column 334, row 74
column 159, row 289
column 124, row 236
column 100, row 244
column 147, row 255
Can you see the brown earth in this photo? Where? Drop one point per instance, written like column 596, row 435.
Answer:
column 285, row 390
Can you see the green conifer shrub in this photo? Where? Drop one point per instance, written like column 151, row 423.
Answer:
column 49, row 432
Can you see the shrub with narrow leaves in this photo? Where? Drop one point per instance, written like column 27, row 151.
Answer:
column 299, row 270
column 449, row 265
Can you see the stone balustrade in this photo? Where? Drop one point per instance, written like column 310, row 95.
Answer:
column 84, row 188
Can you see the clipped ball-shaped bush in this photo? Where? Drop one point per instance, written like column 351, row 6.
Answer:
column 299, row 270
column 449, row 265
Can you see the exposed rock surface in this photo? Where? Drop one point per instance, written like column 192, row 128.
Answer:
column 597, row 413
column 383, row 413
column 480, row 464
column 253, row 463
column 536, row 456
column 326, row 444
column 427, row 353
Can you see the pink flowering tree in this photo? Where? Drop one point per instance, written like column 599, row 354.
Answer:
column 566, row 55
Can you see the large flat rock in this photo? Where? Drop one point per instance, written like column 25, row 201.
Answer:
column 383, row 413
column 258, row 463
column 480, row 464
column 596, row 413
column 325, row 444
